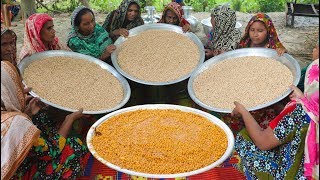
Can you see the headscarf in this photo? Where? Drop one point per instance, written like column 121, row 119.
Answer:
column 272, row 37
column 17, row 130
column 32, row 42
column 177, row 9
column 224, row 35
column 116, row 19
column 93, row 44
column 310, row 103
column 4, row 29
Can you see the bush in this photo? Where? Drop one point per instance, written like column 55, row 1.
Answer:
column 271, row 5
column 236, row 5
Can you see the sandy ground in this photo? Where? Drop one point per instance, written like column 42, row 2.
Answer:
column 299, row 40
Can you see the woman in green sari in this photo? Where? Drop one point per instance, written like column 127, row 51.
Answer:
column 87, row 37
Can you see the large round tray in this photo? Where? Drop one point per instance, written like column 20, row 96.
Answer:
column 210, row 117
column 286, row 59
column 156, row 26
column 60, row 53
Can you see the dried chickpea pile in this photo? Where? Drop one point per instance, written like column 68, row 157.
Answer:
column 158, row 56
column 74, row 83
column 251, row 80
column 159, row 141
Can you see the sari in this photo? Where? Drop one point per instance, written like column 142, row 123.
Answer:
column 224, row 35
column 272, row 40
column 117, row 18
column 310, row 103
column 18, row 134
column 32, row 40
column 93, row 44
column 292, row 127
column 177, row 9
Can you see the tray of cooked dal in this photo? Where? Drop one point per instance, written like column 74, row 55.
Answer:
column 158, row 54
column 255, row 77
column 160, row 141
column 69, row 81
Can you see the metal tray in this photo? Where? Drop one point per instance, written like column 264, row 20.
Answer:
column 157, row 26
column 286, row 59
column 46, row 54
column 210, row 117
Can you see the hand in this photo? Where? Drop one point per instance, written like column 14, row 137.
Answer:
column 111, row 48
column 186, row 28
column 68, row 121
column 121, row 32
column 208, row 52
column 217, row 52
column 107, row 52
column 281, row 51
column 238, row 110
column 75, row 115
column 34, row 107
column 297, row 94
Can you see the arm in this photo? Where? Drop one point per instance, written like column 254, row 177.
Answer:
column 264, row 139
column 67, row 123
column 108, row 51
column 281, row 51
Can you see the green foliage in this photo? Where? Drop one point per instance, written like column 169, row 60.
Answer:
column 236, row 5
column 270, row 5
column 104, row 6
column 249, row 6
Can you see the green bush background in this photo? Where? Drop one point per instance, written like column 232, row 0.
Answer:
column 249, row 6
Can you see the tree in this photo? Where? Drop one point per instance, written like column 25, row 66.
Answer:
column 28, row 8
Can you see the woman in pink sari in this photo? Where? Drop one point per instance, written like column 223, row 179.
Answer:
column 39, row 36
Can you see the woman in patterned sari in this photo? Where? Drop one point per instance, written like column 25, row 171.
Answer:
column 289, row 147
column 260, row 32
column 120, row 21
column 25, row 154
column 223, row 36
column 39, row 36
column 172, row 14
column 18, row 133
column 87, row 37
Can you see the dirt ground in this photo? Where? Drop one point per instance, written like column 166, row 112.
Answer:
column 298, row 40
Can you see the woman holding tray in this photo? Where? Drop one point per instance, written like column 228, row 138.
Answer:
column 27, row 151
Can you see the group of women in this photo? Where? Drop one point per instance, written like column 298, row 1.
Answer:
column 280, row 143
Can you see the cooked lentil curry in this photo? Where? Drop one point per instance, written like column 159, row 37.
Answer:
column 159, row 141
column 158, row 56
column 74, row 83
column 251, row 80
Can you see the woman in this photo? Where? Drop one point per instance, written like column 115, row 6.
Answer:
column 120, row 21
column 223, row 36
column 288, row 147
column 25, row 154
column 39, row 36
column 18, row 134
column 172, row 14
column 260, row 32
column 8, row 46
column 87, row 37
